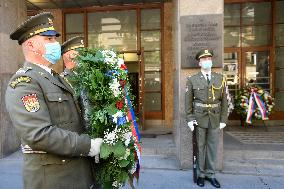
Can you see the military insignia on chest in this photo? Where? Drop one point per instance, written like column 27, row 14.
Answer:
column 31, row 102
column 15, row 82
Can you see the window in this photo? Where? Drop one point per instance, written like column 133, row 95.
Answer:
column 74, row 25
column 115, row 29
column 151, row 42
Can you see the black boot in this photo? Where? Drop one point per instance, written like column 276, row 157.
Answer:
column 200, row 181
column 214, row 182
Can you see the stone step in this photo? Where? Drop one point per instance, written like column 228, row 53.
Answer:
column 162, row 145
column 254, row 162
column 253, row 154
column 265, row 163
column 159, row 162
column 253, row 169
column 167, row 152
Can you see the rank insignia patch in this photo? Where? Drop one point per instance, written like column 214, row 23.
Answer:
column 31, row 102
column 14, row 83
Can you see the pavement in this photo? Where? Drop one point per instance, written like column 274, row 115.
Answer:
column 246, row 166
column 153, row 178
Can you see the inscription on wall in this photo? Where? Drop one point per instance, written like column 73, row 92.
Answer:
column 199, row 32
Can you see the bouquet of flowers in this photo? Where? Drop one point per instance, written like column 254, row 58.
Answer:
column 254, row 102
column 102, row 77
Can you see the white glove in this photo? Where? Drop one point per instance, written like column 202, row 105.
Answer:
column 95, row 147
column 191, row 123
column 222, row 125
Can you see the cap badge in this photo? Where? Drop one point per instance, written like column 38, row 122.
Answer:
column 50, row 21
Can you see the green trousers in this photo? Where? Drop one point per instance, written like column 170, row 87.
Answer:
column 207, row 141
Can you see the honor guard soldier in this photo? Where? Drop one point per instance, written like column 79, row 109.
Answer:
column 45, row 114
column 69, row 51
column 206, row 106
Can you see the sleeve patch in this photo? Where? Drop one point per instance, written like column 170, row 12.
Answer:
column 31, row 102
column 18, row 80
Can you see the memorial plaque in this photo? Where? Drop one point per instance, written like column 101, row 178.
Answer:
column 200, row 32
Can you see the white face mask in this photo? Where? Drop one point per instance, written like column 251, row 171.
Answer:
column 206, row 64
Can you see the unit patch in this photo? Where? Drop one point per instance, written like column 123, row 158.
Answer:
column 31, row 102
column 14, row 83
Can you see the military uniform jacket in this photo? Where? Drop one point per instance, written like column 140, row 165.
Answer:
column 47, row 119
column 200, row 96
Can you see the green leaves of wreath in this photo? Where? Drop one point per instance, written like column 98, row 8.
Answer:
column 102, row 76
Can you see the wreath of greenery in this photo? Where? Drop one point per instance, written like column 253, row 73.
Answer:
column 242, row 101
column 102, row 75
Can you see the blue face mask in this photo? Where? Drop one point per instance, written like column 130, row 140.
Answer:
column 206, row 64
column 52, row 52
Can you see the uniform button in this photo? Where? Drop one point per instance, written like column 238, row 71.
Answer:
column 63, row 160
column 210, row 97
column 81, row 154
column 60, row 99
column 209, row 89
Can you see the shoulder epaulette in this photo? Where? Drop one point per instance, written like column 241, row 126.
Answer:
column 18, row 80
column 24, row 70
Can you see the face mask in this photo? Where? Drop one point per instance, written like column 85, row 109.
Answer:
column 52, row 52
column 206, row 64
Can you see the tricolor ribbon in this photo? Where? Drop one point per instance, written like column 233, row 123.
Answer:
column 135, row 133
column 255, row 99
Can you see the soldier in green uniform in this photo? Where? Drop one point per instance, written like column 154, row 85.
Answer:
column 69, row 52
column 46, row 114
column 206, row 105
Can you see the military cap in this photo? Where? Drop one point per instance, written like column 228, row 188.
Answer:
column 203, row 53
column 40, row 24
column 72, row 44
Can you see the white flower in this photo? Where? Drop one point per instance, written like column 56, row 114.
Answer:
column 133, row 168
column 108, row 53
column 117, row 115
column 120, row 62
column 115, row 184
column 110, row 138
column 114, row 86
column 109, row 60
column 127, row 137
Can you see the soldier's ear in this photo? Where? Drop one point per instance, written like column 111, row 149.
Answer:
column 199, row 63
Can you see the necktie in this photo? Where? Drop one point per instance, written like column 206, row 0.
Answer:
column 207, row 78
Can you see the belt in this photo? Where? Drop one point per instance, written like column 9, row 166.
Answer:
column 27, row 150
column 207, row 105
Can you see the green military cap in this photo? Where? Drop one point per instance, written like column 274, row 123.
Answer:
column 204, row 53
column 72, row 44
column 40, row 24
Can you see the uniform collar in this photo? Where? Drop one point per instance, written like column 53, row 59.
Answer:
column 206, row 73
column 49, row 70
column 38, row 67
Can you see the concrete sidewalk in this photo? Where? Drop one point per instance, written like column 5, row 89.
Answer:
column 10, row 178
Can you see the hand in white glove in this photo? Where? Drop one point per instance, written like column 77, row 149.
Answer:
column 222, row 125
column 95, row 147
column 191, row 123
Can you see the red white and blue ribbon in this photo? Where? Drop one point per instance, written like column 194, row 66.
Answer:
column 135, row 132
column 253, row 101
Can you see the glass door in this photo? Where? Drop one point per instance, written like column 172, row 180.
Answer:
column 135, row 64
column 231, row 68
column 257, row 69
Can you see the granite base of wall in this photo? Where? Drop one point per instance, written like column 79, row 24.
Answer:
column 9, row 141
